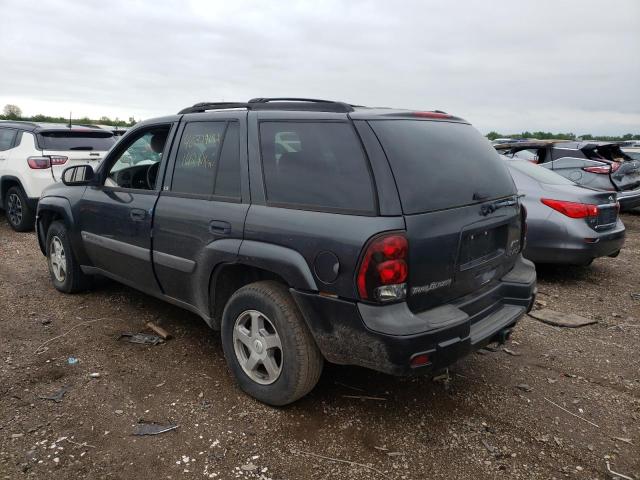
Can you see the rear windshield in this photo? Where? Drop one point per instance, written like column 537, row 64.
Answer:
column 440, row 165
column 65, row 140
column 538, row 173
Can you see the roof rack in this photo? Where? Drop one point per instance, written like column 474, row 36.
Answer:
column 276, row 103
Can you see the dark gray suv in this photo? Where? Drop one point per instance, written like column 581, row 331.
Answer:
column 304, row 230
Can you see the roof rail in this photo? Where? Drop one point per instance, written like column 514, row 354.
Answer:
column 294, row 103
column 22, row 122
column 304, row 104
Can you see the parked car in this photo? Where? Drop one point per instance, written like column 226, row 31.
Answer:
column 566, row 223
column 33, row 155
column 632, row 152
column 305, row 230
column 598, row 165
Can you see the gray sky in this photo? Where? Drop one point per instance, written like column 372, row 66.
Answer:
column 503, row 65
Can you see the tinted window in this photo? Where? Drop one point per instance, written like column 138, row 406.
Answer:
column 6, row 138
column 440, row 165
column 205, row 165
column 315, row 165
column 538, row 173
column 74, row 140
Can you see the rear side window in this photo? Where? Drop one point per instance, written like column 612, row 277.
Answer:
column 76, row 140
column 6, row 138
column 315, row 165
column 208, row 160
column 440, row 165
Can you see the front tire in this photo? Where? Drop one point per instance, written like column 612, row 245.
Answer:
column 19, row 215
column 268, row 346
column 64, row 269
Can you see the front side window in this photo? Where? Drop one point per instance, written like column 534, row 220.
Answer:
column 315, row 165
column 208, row 160
column 6, row 138
column 137, row 166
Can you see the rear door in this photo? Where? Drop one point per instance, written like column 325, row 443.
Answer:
column 116, row 215
column 74, row 146
column 461, row 210
column 203, row 203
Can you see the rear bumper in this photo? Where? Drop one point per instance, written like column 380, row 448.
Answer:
column 386, row 338
column 574, row 250
column 629, row 199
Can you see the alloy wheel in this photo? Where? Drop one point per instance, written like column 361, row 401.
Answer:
column 57, row 259
column 14, row 209
column 257, row 346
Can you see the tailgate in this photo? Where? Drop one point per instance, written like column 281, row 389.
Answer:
column 74, row 146
column 455, row 252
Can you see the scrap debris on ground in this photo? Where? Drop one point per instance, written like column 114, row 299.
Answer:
column 551, row 403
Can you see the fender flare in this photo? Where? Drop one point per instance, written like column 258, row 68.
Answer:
column 3, row 190
column 58, row 205
column 286, row 262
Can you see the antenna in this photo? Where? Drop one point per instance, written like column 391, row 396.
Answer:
column 69, row 119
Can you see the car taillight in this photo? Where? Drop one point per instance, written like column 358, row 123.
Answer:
column 38, row 163
column 572, row 209
column 431, row 114
column 602, row 169
column 384, row 270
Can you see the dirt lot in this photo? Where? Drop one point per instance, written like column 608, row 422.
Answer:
column 492, row 419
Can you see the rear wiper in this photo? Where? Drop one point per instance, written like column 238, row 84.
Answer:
column 81, row 148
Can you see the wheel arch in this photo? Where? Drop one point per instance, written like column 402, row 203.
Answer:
column 6, row 182
column 51, row 209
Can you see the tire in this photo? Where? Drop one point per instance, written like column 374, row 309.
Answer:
column 64, row 269
column 19, row 215
column 298, row 360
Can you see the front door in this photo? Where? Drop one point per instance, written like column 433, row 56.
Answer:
column 199, row 218
column 116, row 215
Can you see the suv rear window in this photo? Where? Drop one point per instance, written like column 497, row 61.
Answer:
column 440, row 165
column 315, row 165
column 75, row 140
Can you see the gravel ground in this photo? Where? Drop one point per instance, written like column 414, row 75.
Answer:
column 555, row 403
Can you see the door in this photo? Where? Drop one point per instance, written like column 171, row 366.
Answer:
column 199, row 218
column 115, row 216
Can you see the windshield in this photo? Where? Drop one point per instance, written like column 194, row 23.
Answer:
column 440, row 165
column 76, row 140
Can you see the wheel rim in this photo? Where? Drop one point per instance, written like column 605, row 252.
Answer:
column 58, row 259
column 257, row 347
column 14, row 209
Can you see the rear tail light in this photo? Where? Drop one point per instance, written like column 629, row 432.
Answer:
column 603, row 169
column 383, row 271
column 431, row 114
column 572, row 209
column 46, row 161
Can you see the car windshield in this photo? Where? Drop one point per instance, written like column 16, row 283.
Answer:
column 541, row 174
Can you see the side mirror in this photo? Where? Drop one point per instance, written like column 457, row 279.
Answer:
column 78, row 175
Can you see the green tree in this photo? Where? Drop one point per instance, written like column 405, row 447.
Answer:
column 12, row 112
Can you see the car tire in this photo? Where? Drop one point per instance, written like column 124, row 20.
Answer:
column 17, row 210
column 267, row 345
column 64, row 269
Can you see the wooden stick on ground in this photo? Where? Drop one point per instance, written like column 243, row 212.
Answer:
column 159, row 330
column 571, row 413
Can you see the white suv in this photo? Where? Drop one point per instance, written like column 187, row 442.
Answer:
column 33, row 156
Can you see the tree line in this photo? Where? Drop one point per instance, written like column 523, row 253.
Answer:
column 564, row 136
column 13, row 112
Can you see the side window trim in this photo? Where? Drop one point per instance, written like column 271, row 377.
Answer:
column 168, row 178
column 310, row 207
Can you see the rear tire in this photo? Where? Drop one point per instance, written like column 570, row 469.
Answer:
column 19, row 215
column 64, row 269
column 267, row 345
